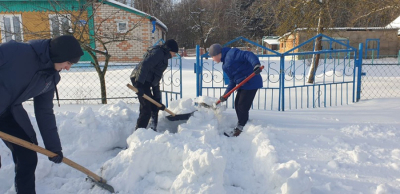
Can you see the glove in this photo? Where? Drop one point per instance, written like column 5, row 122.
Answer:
column 140, row 92
column 139, row 87
column 156, row 93
column 222, row 99
column 257, row 69
column 162, row 107
column 57, row 159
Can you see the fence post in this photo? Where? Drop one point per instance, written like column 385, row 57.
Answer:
column 398, row 58
column 282, row 84
column 359, row 65
column 180, row 71
column 198, row 71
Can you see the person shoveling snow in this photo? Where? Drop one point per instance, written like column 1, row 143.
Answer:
column 147, row 74
column 239, row 65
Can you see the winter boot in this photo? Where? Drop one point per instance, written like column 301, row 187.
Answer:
column 153, row 122
column 235, row 132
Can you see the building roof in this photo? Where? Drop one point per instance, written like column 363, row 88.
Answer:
column 135, row 11
column 346, row 29
column 271, row 39
column 8, row 6
column 395, row 24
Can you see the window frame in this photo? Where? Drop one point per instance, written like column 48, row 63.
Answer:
column 127, row 26
column 372, row 45
column 2, row 27
column 59, row 17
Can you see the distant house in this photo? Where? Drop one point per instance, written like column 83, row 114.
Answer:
column 115, row 19
column 271, row 42
column 395, row 24
column 378, row 40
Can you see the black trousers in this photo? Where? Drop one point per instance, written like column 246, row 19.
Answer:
column 25, row 160
column 243, row 101
column 147, row 109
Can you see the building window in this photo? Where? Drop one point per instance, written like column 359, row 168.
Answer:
column 372, row 48
column 60, row 24
column 122, row 27
column 11, row 28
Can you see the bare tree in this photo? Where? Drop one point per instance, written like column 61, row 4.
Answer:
column 152, row 7
column 192, row 22
column 105, row 35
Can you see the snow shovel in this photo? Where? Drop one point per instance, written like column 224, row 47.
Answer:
column 234, row 89
column 95, row 178
column 172, row 116
column 202, row 104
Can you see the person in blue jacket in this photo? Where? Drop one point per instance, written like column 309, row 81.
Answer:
column 31, row 70
column 238, row 65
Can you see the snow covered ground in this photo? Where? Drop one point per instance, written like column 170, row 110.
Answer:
column 345, row 149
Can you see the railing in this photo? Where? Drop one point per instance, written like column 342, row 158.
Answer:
column 286, row 75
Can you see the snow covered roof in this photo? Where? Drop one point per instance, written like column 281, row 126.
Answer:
column 395, row 24
column 346, row 29
column 271, row 39
column 131, row 9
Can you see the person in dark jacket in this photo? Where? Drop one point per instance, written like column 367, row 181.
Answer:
column 31, row 70
column 146, row 78
column 238, row 65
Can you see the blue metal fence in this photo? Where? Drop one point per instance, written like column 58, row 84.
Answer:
column 285, row 76
column 380, row 76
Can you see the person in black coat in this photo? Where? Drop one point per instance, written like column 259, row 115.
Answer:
column 31, row 70
column 146, row 78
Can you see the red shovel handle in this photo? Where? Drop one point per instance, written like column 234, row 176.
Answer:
column 240, row 84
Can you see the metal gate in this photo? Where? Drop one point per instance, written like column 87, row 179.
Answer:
column 285, row 76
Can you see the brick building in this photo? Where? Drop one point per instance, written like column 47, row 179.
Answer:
column 138, row 29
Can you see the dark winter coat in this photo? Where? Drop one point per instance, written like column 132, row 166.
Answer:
column 26, row 71
column 238, row 65
column 152, row 67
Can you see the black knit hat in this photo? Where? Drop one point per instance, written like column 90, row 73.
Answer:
column 65, row 48
column 172, row 45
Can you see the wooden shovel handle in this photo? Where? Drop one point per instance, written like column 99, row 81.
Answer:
column 50, row 154
column 151, row 100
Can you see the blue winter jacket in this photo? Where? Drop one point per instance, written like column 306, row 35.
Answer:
column 238, row 65
column 26, row 71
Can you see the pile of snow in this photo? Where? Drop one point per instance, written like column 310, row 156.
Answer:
column 341, row 150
